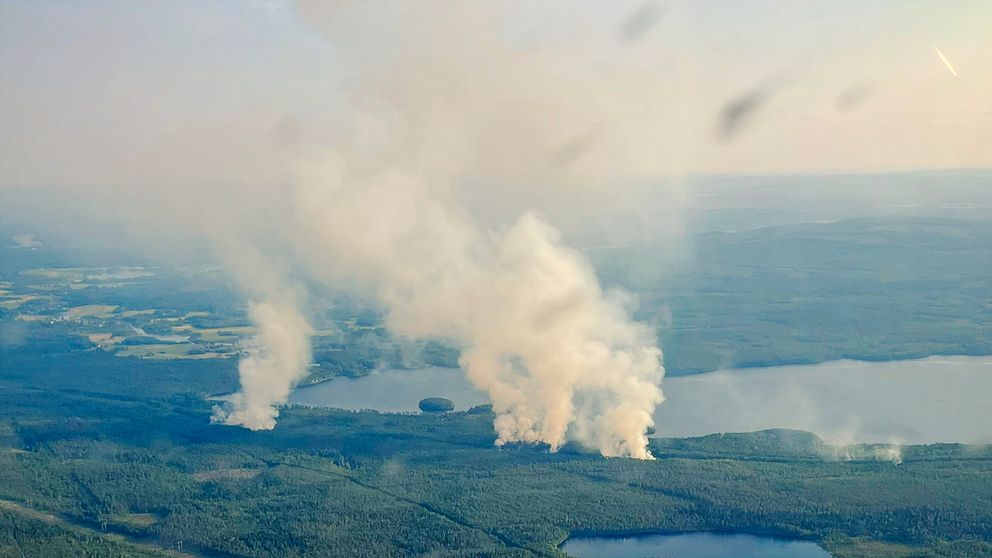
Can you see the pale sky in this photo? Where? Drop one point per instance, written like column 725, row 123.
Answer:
column 196, row 93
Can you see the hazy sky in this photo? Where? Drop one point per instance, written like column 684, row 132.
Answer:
column 96, row 93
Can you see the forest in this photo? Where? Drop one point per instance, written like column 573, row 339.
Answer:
column 111, row 470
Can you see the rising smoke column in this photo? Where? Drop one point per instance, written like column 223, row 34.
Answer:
column 559, row 358
column 278, row 354
column 437, row 97
column 277, row 357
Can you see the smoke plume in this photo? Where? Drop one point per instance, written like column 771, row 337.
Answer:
column 558, row 357
column 418, row 153
column 441, row 96
column 277, row 357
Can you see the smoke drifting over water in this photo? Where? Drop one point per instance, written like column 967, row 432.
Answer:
column 382, row 211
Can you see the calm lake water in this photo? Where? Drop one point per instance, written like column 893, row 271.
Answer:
column 692, row 545
column 937, row 399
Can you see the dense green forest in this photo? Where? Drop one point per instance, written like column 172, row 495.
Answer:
column 26, row 532
column 342, row 483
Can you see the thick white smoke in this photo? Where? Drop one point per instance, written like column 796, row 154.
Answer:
column 556, row 355
column 277, row 357
column 443, row 95
column 559, row 358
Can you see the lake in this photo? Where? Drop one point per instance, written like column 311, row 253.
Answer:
column 692, row 545
column 936, row 399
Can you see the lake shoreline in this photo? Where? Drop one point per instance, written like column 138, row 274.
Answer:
column 812, row 362
column 668, row 374
column 633, row 533
column 938, row 398
column 769, row 536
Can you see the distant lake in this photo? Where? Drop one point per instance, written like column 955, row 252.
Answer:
column 393, row 391
column 692, row 545
column 936, row 399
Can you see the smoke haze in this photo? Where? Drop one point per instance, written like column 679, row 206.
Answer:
column 382, row 210
column 426, row 155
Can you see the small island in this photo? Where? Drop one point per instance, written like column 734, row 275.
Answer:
column 436, row 405
column 481, row 409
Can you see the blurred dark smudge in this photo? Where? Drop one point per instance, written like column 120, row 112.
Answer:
column 852, row 98
column 575, row 148
column 287, row 132
column 736, row 114
column 640, row 21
